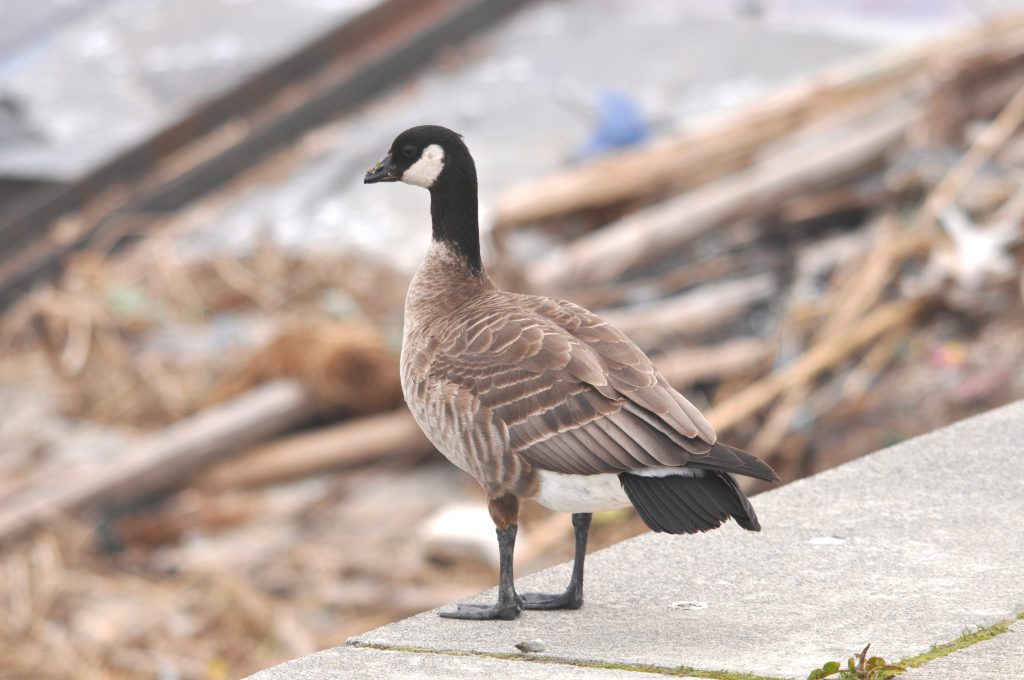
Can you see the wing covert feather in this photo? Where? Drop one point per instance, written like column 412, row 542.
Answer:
column 571, row 393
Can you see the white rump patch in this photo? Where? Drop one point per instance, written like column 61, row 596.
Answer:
column 666, row 471
column 595, row 493
column 424, row 172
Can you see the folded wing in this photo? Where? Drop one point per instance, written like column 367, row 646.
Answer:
column 574, row 394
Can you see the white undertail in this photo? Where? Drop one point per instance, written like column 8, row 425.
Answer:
column 595, row 493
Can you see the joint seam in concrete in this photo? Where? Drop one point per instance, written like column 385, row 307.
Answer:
column 965, row 641
column 534, row 658
column 938, row 651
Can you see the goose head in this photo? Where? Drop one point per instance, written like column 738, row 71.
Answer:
column 426, row 156
column 437, row 159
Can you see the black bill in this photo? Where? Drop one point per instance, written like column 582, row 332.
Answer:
column 383, row 171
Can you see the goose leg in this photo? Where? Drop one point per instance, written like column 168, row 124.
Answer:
column 572, row 598
column 504, row 511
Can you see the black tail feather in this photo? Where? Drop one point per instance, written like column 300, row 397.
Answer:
column 678, row 504
column 651, row 511
column 723, row 458
column 668, row 503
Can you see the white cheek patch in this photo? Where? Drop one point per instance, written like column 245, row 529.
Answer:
column 424, row 172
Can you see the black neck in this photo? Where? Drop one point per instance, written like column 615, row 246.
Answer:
column 453, row 210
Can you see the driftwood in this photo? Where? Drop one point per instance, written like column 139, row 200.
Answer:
column 725, row 144
column 353, row 442
column 822, row 204
column 733, row 410
column 855, row 294
column 648, row 234
column 818, row 258
column 691, row 314
column 165, row 459
column 984, row 147
column 733, row 260
column 685, row 366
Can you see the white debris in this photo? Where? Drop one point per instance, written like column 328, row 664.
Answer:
column 979, row 253
column 460, row 531
column 827, row 540
column 531, row 646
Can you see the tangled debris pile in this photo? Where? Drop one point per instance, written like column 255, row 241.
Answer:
column 827, row 270
column 814, row 250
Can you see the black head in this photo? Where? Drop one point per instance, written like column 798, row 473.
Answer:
column 423, row 156
column 436, row 158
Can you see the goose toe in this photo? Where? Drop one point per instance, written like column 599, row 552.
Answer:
column 482, row 612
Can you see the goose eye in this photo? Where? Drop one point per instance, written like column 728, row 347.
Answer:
column 409, row 151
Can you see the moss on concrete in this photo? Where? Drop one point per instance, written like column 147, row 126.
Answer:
column 966, row 640
column 969, row 638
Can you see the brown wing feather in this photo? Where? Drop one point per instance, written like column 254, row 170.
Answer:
column 574, row 394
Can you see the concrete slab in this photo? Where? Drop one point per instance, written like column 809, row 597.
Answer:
column 1001, row 658
column 905, row 548
column 355, row 664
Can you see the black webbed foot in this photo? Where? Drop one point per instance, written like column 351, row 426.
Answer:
column 482, row 612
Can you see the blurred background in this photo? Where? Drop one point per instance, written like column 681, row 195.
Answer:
column 808, row 213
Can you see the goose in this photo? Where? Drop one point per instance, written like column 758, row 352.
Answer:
column 538, row 398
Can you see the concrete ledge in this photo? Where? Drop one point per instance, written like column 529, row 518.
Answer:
column 358, row 663
column 906, row 549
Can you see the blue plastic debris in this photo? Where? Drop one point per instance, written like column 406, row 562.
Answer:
column 619, row 123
